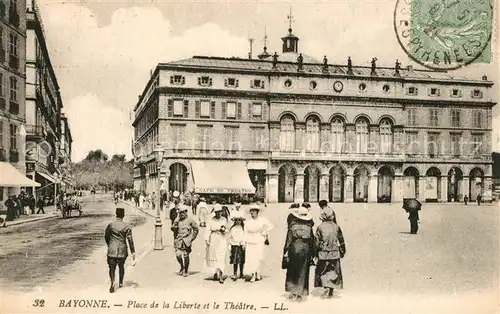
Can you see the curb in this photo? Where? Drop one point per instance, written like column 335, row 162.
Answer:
column 21, row 222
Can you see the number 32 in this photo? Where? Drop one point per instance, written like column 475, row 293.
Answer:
column 39, row 303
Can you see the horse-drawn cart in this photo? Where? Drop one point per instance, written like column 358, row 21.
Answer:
column 69, row 205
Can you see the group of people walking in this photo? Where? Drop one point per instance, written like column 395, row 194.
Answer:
column 243, row 235
column 305, row 247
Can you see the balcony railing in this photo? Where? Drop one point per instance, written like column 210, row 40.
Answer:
column 13, row 107
column 35, row 130
column 337, row 156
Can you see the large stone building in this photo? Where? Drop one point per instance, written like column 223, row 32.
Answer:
column 293, row 128
column 12, row 84
column 48, row 136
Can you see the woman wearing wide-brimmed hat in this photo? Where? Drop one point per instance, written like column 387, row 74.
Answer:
column 298, row 253
column 216, row 241
column 256, row 231
column 203, row 212
column 330, row 249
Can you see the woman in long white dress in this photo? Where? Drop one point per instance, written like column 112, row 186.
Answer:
column 217, row 244
column 256, row 236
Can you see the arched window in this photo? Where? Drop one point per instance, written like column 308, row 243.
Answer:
column 362, row 136
column 337, row 135
column 287, row 134
column 312, row 134
column 386, row 137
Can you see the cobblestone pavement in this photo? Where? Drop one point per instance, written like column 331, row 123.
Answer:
column 452, row 264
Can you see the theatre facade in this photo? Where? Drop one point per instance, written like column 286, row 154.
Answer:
column 290, row 128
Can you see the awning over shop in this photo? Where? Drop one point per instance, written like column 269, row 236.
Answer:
column 221, row 177
column 11, row 177
column 257, row 165
column 46, row 176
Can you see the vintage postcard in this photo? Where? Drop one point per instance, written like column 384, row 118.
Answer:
column 171, row 156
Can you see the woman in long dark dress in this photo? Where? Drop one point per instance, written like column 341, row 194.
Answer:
column 299, row 249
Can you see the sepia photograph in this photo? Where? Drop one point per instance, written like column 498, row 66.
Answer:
column 337, row 156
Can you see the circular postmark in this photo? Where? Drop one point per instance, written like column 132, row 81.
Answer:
column 444, row 34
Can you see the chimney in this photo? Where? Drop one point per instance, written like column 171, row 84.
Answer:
column 150, row 72
column 409, row 68
column 485, row 78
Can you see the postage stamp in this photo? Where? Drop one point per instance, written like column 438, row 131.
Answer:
column 445, row 34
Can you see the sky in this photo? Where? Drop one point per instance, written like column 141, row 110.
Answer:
column 103, row 51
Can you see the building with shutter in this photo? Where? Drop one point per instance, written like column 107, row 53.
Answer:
column 12, row 85
column 295, row 128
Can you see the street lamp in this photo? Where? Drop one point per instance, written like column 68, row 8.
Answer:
column 159, row 152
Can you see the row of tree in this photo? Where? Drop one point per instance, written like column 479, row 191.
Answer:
column 98, row 171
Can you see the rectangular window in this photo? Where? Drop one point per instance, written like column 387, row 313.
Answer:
column 433, row 144
column 412, row 91
column 258, row 138
column 232, row 142
column 177, row 80
column 231, row 110
column 455, row 118
column 257, row 84
column 178, row 107
column 13, row 137
column 433, row 117
column 477, row 93
column 434, row 92
column 205, row 81
column 13, row 42
column 257, row 110
column 477, row 143
column 205, row 109
column 231, row 82
column 178, row 136
column 2, row 86
column 411, row 117
column 477, row 119
column 455, row 144
column 456, row 92
column 204, row 137
column 1, row 134
column 412, row 143
column 13, row 89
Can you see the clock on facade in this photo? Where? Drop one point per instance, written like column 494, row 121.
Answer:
column 338, row 86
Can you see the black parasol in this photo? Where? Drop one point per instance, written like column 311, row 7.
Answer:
column 411, row 204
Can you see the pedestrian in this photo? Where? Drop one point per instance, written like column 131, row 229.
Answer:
column 19, row 205
column 202, row 209
column 478, row 199
column 330, row 248
column 174, row 210
column 256, row 230
column 185, row 232
column 293, row 209
column 32, row 204
column 11, row 208
column 216, row 244
column 194, row 203
column 237, row 242
column 325, row 209
column 117, row 234
column 298, row 253
column 466, row 199
column 41, row 204
column 142, row 200
column 414, row 218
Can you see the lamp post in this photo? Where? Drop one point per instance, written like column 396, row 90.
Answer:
column 159, row 152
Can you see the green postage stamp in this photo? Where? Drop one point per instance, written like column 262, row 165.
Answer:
column 445, row 34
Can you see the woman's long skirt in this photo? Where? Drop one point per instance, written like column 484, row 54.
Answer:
column 216, row 253
column 297, row 273
column 328, row 274
column 254, row 254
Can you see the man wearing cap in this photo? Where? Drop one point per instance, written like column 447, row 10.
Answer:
column 117, row 234
column 326, row 210
column 185, row 231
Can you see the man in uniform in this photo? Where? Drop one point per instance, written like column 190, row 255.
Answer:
column 185, row 231
column 117, row 234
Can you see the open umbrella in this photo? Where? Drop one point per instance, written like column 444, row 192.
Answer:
column 411, row 204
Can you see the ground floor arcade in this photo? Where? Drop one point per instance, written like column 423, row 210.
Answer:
column 336, row 182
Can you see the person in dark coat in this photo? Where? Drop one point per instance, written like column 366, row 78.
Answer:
column 11, row 208
column 325, row 209
column 414, row 218
column 291, row 218
column 299, row 252
column 116, row 236
column 478, row 199
column 41, row 204
column 330, row 249
column 174, row 210
column 466, row 199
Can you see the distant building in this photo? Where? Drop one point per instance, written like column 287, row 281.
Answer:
column 47, row 148
column 304, row 129
column 12, row 85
